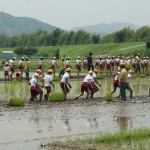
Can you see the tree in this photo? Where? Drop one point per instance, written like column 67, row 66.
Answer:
column 57, row 54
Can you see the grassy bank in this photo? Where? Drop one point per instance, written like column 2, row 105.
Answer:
column 135, row 139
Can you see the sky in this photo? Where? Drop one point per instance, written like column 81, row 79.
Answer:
column 68, row 14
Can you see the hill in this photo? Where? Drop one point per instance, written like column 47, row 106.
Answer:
column 11, row 25
column 104, row 29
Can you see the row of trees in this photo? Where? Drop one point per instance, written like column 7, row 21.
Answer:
column 62, row 37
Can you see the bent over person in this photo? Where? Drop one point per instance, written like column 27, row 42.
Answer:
column 64, row 82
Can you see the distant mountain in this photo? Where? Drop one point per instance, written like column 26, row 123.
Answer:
column 11, row 25
column 104, row 29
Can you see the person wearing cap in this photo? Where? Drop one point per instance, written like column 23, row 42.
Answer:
column 62, row 71
column 96, row 62
column 127, row 64
column 64, row 82
column 117, row 61
column 47, row 82
column 116, row 79
column 27, row 67
column 146, row 65
column 33, row 87
column 137, row 62
column 53, row 65
column 90, row 62
column 85, row 85
column 85, row 62
column 11, row 63
column 68, row 62
column 78, row 65
column 130, row 72
column 6, row 71
column 143, row 64
column 113, row 62
column 108, row 64
column 40, row 65
column 123, row 81
column 21, row 66
column 94, row 87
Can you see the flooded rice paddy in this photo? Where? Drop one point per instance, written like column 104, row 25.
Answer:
column 38, row 123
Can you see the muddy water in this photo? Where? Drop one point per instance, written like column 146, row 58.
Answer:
column 27, row 127
column 139, row 86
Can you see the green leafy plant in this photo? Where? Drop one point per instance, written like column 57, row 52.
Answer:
column 109, row 96
column 56, row 97
column 100, row 76
column 142, row 76
column 16, row 102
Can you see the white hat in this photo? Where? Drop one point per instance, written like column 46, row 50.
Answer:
column 78, row 57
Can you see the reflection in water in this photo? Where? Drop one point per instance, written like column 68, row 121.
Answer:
column 123, row 122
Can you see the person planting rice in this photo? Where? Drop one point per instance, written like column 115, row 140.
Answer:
column 27, row 68
column 21, row 66
column 117, row 61
column 34, row 90
column 127, row 64
column 116, row 80
column 47, row 82
column 137, row 62
column 108, row 64
column 68, row 62
column 94, row 87
column 130, row 72
column 133, row 63
column 6, row 71
column 62, row 71
column 18, row 75
column 64, row 82
column 85, row 62
column 90, row 62
column 85, row 85
column 123, row 81
column 11, row 63
column 96, row 62
column 78, row 65
column 40, row 65
column 101, row 64
column 113, row 62
column 53, row 65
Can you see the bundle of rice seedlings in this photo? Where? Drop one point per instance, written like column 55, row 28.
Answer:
column 16, row 101
column 56, row 97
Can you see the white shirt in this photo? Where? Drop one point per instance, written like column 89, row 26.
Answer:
column 11, row 62
column 40, row 62
column 133, row 61
column 67, row 62
column 87, row 78
column 47, row 80
column 53, row 62
column 108, row 61
column 6, row 68
column 85, row 61
column 117, row 60
column 20, row 62
column 117, row 76
column 78, row 61
column 65, row 77
column 97, row 61
column 129, row 77
column 33, row 82
column 143, row 62
column 93, row 77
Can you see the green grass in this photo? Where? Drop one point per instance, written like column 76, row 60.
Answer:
column 56, row 97
column 16, row 102
column 134, row 76
column 142, row 76
column 109, row 96
column 122, row 137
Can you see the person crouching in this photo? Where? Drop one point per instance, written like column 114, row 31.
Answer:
column 85, row 85
column 94, row 87
column 64, row 82
column 33, row 86
column 47, row 82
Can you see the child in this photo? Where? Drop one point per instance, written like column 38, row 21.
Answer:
column 6, row 70
column 116, row 80
column 130, row 72
column 64, row 82
column 78, row 65
column 85, row 85
column 18, row 75
column 47, row 82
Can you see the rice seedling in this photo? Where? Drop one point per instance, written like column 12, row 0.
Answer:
column 134, row 76
column 16, row 101
column 109, row 96
column 56, row 97
column 100, row 76
column 142, row 76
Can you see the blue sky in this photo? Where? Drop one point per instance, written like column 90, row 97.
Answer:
column 67, row 14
